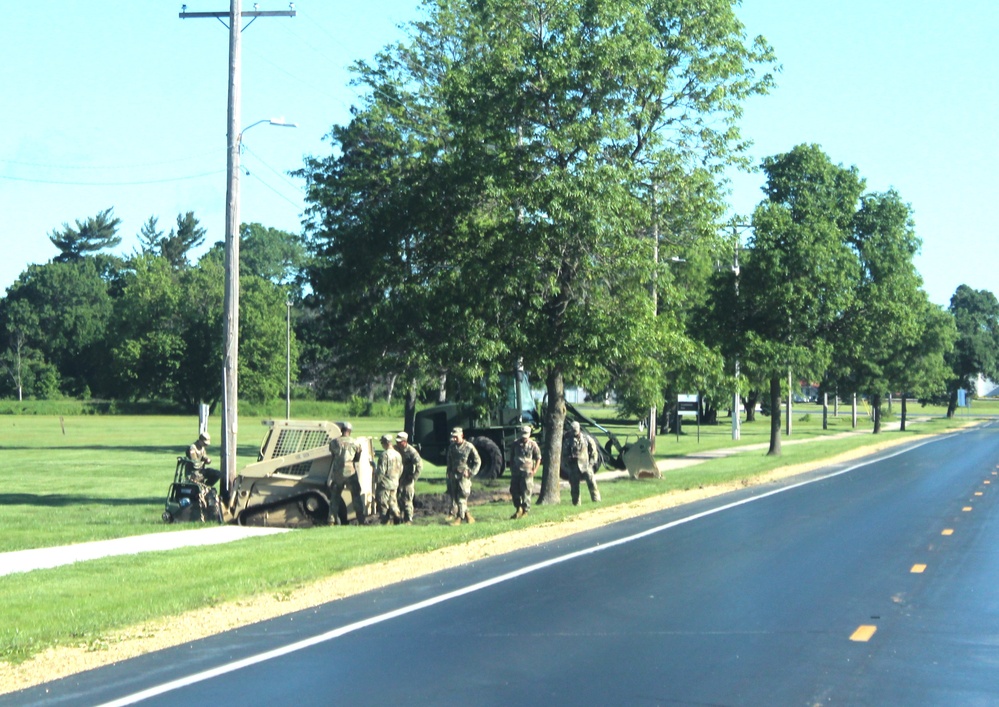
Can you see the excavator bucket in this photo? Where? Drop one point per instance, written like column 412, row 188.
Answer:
column 638, row 460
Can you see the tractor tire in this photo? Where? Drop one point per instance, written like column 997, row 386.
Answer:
column 491, row 456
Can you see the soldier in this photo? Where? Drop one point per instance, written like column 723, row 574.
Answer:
column 343, row 475
column 199, row 472
column 462, row 464
column 412, row 465
column 525, row 458
column 387, row 482
column 198, row 454
column 577, row 454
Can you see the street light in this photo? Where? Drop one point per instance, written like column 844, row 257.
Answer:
column 230, row 315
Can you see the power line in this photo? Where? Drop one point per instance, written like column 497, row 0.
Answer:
column 111, row 184
column 281, row 175
column 43, row 165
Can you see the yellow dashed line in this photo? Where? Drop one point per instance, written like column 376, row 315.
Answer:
column 986, row 482
column 863, row 633
column 978, row 493
column 966, row 509
column 918, row 569
column 947, row 531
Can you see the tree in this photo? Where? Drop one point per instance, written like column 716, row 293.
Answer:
column 270, row 253
column 63, row 310
column 175, row 246
column 976, row 351
column 802, row 271
column 150, row 237
column 94, row 234
column 147, row 346
column 188, row 235
column 526, row 138
column 922, row 366
column 883, row 319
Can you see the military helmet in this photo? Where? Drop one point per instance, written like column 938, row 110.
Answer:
column 525, row 431
column 575, row 427
column 345, row 426
column 204, row 436
column 457, row 432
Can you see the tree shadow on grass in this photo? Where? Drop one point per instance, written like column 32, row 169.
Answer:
column 58, row 500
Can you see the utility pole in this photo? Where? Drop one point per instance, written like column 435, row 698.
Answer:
column 736, row 398
column 230, row 321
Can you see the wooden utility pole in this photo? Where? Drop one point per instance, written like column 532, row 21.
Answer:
column 230, row 320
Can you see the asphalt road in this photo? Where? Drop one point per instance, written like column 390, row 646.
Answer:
column 874, row 584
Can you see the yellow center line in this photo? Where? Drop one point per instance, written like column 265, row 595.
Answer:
column 863, row 633
column 918, row 569
column 978, row 493
column 987, row 482
column 947, row 531
column 966, row 509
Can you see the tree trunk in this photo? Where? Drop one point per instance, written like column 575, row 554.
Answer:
column 952, row 404
column 876, row 411
column 774, row 450
column 554, row 423
column 901, row 427
column 409, row 416
column 749, row 405
column 391, row 388
column 442, row 390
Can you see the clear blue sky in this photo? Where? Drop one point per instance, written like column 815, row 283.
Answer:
column 124, row 105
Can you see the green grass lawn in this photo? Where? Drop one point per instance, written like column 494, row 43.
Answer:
column 75, row 479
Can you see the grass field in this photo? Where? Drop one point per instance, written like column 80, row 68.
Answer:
column 75, row 479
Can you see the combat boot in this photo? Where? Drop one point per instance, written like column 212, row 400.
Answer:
column 456, row 521
column 517, row 515
column 468, row 518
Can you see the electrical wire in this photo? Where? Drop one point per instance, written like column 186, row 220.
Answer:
column 111, row 184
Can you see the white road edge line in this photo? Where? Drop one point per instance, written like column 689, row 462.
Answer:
column 381, row 618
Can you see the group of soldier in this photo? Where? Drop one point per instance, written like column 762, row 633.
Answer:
column 398, row 468
column 400, row 465
column 463, row 462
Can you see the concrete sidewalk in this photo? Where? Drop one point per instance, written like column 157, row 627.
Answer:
column 46, row 557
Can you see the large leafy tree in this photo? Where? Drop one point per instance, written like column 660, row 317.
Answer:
column 61, row 310
column 884, row 317
column 921, row 366
column 148, row 345
column 976, row 351
column 518, row 147
column 802, row 273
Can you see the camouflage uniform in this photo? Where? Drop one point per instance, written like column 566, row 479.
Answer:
column 199, row 473
column 462, row 464
column 387, row 482
column 577, row 453
column 525, row 458
column 412, row 465
column 343, row 476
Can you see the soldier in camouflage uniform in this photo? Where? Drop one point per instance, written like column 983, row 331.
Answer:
column 576, row 452
column 462, row 464
column 343, row 475
column 412, row 465
column 525, row 458
column 198, row 454
column 387, row 482
column 199, row 472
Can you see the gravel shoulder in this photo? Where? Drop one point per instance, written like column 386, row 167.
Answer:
column 155, row 635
